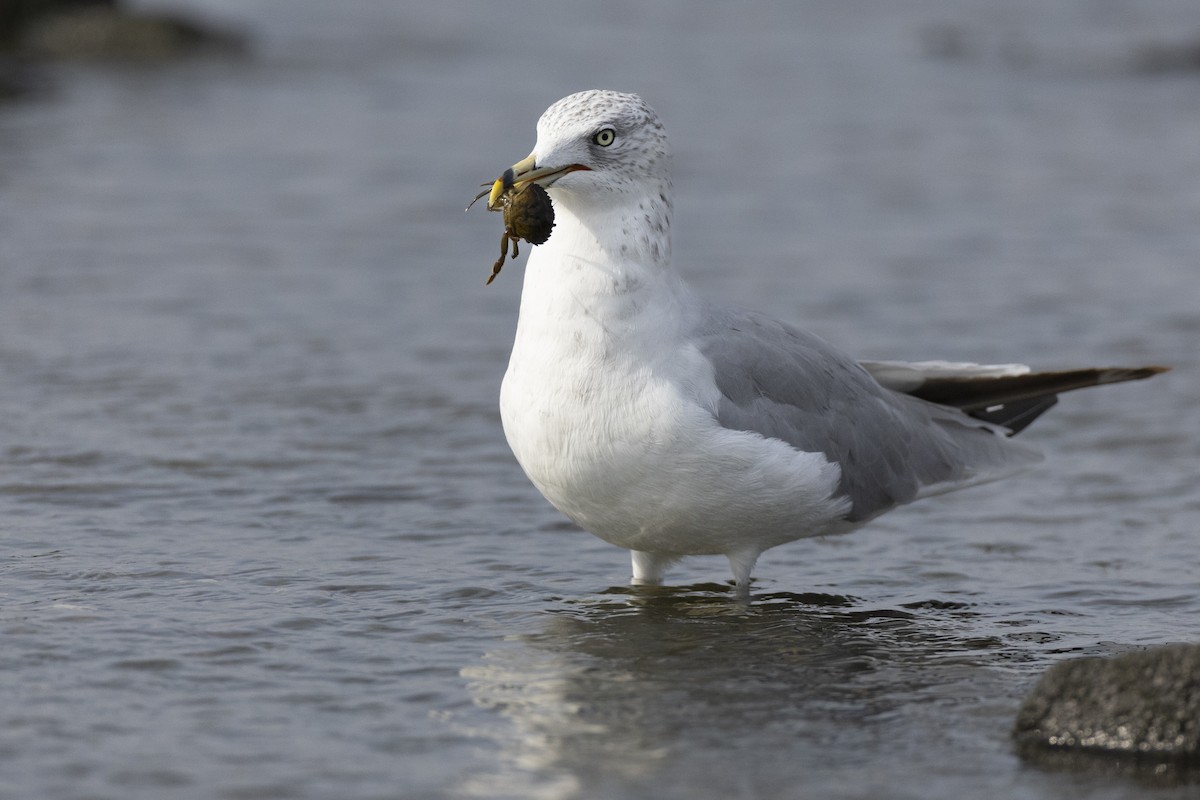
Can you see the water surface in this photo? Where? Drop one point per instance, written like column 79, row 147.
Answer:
column 263, row 536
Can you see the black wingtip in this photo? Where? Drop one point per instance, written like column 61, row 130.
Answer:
column 1137, row 373
column 1018, row 415
column 1014, row 401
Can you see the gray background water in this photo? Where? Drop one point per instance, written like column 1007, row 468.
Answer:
column 262, row 536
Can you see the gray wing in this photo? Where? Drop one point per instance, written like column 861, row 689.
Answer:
column 784, row 383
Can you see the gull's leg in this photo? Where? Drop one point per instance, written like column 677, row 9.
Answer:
column 648, row 568
column 741, row 562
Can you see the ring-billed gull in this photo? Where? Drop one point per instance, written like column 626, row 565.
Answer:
column 671, row 426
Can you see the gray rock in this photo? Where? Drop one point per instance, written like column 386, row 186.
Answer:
column 109, row 33
column 17, row 15
column 1183, row 56
column 1139, row 710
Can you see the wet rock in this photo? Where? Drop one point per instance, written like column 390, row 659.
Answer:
column 957, row 43
column 1139, row 711
column 1167, row 57
column 33, row 32
column 103, row 32
column 16, row 16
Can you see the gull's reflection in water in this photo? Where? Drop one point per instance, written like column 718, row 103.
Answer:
column 691, row 693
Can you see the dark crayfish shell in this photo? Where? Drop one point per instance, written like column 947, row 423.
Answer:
column 528, row 213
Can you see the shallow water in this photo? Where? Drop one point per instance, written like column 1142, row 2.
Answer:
column 263, row 536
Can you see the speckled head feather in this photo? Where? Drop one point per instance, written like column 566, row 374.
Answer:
column 622, row 111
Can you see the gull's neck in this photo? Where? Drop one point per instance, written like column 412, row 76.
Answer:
column 627, row 229
column 602, row 251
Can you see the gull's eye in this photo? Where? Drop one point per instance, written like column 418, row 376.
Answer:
column 605, row 137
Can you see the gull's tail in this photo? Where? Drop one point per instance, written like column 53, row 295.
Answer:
column 1008, row 395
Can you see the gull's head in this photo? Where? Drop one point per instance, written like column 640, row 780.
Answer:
column 597, row 148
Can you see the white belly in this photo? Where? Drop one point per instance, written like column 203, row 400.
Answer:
column 629, row 448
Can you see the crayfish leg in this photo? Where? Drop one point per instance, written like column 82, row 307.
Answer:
column 504, row 240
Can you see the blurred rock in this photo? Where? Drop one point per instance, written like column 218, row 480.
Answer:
column 1166, row 57
column 1009, row 47
column 107, row 33
column 957, row 43
column 105, row 30
column 1137, row 712
column 944, row 40
column 17, row 15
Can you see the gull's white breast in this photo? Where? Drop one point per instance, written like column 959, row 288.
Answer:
column 610, row 410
